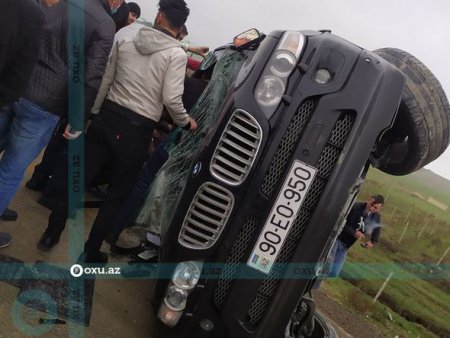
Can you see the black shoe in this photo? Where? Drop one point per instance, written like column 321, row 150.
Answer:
column 96, row 257
column 37, row 182
column 46, row 243
column 9, row 215
column 5, row 239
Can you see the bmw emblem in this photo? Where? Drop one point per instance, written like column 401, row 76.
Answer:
column 197, row 168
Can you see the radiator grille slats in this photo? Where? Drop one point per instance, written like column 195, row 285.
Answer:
column 236, row 149
column 206, row 217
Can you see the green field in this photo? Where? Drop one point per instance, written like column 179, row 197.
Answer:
column 415, row 236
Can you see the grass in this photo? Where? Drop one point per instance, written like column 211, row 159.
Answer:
column 414, row 237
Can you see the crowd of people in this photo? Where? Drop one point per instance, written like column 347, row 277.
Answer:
column 132, row 73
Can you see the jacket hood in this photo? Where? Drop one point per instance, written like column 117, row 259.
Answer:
column 149, row 40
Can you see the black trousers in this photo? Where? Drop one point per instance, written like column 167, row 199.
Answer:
column 115, row 139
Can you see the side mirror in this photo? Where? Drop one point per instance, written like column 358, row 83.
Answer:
column 246, row 37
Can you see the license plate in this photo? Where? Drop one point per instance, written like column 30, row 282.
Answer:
column 282, row 216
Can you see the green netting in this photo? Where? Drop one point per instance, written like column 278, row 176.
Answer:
column 157, row 211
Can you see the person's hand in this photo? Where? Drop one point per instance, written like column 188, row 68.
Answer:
column 193, row 124
column 199, row 50
column 368, row 245
column 359, row 234
column 71, row 134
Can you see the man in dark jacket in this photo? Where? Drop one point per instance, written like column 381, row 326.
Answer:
column 363, row 223
column 21, row 27
column 37, row 112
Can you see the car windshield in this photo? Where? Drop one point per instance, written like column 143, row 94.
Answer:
column 156, row 213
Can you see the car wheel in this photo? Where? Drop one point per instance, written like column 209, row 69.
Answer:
column 421, row 129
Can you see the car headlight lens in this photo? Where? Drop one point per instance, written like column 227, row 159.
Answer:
column 176, row 298
column 269, row 92
column 187, row 274
column 283, row 63
column 272, row 84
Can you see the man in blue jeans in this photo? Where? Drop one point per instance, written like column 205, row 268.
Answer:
column 30, row 123
column 364, row 224
column 21, row 27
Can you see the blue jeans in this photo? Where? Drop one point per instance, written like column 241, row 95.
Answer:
column 339, row 253
column 25, row 134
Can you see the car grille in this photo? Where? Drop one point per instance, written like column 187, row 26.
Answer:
column 231, row 265
column 237, row 149
column 206, row 217
column 277, row 168
column 325, row 165
column 287, row 145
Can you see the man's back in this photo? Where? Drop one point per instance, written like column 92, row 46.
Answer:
column 48, row 84
column 148, row 67
column 21, row 23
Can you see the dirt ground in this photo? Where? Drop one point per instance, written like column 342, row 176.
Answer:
column 121, row 307
column 346, row 323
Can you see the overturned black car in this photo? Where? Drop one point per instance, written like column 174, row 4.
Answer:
column 249, row 206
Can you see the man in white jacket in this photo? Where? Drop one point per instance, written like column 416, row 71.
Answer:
column 145, row 72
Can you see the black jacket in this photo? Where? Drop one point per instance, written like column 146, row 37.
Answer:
column 358, row 219
column 21, row 28
column 49, row 83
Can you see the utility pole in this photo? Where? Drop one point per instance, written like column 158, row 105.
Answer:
column 404, row 232
column 423, row 228
column 383, row 286
column 435, row 225
column 442, row 257
column 393, row 212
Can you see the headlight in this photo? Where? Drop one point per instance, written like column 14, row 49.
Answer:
column 175, row 298
column 272, row 84
column 269, row 92
column 187, row 274
column 283, row 63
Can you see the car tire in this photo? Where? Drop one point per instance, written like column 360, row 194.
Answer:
column 421, row 129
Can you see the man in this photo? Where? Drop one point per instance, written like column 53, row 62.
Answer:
column 21, row 27
column 37, row 112
column 135, row 12
column 119, row 12
column 363, row 223
column 121, row 133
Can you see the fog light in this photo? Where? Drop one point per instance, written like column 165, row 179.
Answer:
column 269, row 91
column 206, row 325
column 322, row 76
column 175, row 298
column 187, row 274
column 168, row 316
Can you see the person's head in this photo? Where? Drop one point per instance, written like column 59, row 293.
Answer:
column 172, row 15
column 375, row 203
column 182, row 33
column 135, row 12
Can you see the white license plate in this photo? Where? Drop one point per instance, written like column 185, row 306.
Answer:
column 281, row 218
